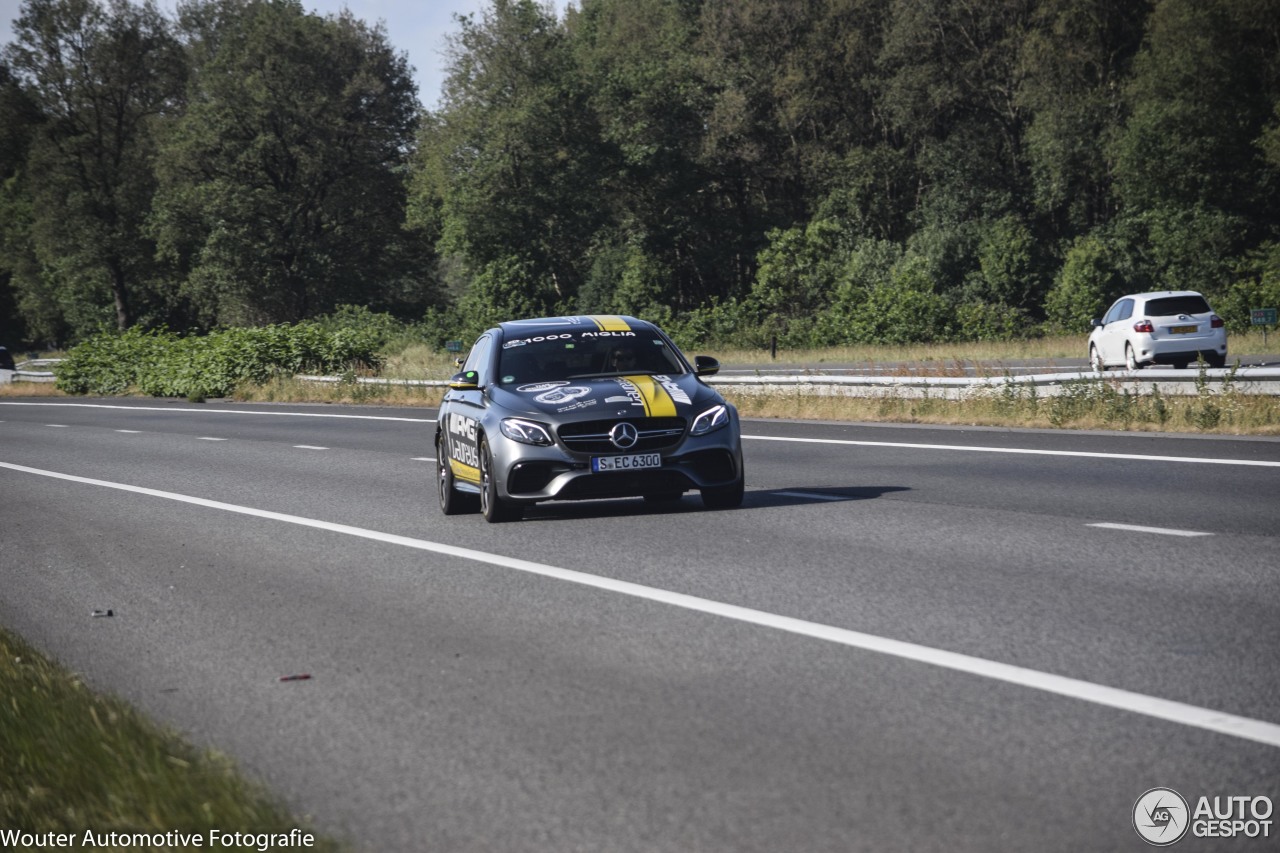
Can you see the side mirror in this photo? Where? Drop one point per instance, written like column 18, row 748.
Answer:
column 468, row 381
column 457, row 362
column 1095, row 322
column 705, row 365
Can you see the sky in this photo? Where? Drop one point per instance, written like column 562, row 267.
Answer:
column 416, row 27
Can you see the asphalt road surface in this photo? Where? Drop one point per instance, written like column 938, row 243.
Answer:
column 907, row 638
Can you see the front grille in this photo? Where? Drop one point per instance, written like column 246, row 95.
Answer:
column 593, row 436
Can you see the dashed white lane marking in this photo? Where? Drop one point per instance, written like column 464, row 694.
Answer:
column 1136, row 528
column 130, row 431
column 58, row 426
column 1261, row 463
column 226, row 412
column 424, row 459
column 309, row 447
column 812, row 496
column 1208, row 719
column 211, row 438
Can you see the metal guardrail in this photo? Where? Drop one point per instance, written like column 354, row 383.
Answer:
column 24, row 375
column 1246, row 380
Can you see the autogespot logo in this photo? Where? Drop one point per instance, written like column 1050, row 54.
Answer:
column 1161, row 817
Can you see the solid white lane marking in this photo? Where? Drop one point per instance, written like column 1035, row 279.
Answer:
column 1112, row 697
column 309, row 447
column 210, row 438
column 227, row 412
column 1019, row 450
column 1136, row 528
column 812, row 496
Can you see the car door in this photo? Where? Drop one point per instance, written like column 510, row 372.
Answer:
column 461, row 411
column 1112, row 340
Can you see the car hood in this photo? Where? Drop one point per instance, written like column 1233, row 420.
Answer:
column 639, row 395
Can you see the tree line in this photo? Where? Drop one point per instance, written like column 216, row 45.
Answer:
column 822, row 171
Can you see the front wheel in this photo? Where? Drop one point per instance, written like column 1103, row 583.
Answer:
column 452, row 501
column 492, row 507
column 1095, row 360
column 726, row 497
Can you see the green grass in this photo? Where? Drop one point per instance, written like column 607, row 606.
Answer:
column 1083, row 405
column 994, row 351
column 1074, row 347
column 76, row 761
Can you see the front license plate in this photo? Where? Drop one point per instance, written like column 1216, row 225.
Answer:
column 1183, row 330
column 626, row 463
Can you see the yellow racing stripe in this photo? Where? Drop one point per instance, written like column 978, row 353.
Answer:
column 610, row 323
column 465, row 472
column 657, row 402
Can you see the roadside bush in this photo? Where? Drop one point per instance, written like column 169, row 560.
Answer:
column 1087, row 283
column 163, row 365
column 986, row 321
column 1257, row 287
column 897, row 305
column 110, row 363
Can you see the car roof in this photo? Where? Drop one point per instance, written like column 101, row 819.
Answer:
column 1160, row 294
column 584, row 322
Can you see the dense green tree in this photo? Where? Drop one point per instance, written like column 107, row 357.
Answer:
column 507, row 170
column 823, row 170
column 637, row 60
column 1075, row 61
column 102, row 76
column 19, row 120
column 1193, row 184
column 282, row 191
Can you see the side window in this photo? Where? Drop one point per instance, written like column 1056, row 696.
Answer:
column 478, row 360
column 1126, row 309
column 1112, row 315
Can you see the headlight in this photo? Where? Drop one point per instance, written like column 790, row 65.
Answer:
column 710, row 420
column 526, row 432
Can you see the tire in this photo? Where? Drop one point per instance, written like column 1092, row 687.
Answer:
column 1131, row 360
column 1180, row 365
column 726, row 497
column 452, row 501
column 1095, row 361
column 494, row 509
column 1216, row 360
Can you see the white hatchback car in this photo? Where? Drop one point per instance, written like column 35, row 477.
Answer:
column 1170, row 327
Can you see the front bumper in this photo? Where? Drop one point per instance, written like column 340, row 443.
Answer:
column 529, row 474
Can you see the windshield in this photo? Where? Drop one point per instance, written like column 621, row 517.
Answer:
column 560, row 355
column 1172, row 306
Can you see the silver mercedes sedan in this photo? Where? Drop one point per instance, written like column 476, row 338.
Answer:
column 572, row 408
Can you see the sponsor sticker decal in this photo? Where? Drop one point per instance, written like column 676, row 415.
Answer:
column 676, row 392
column 562, row 395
